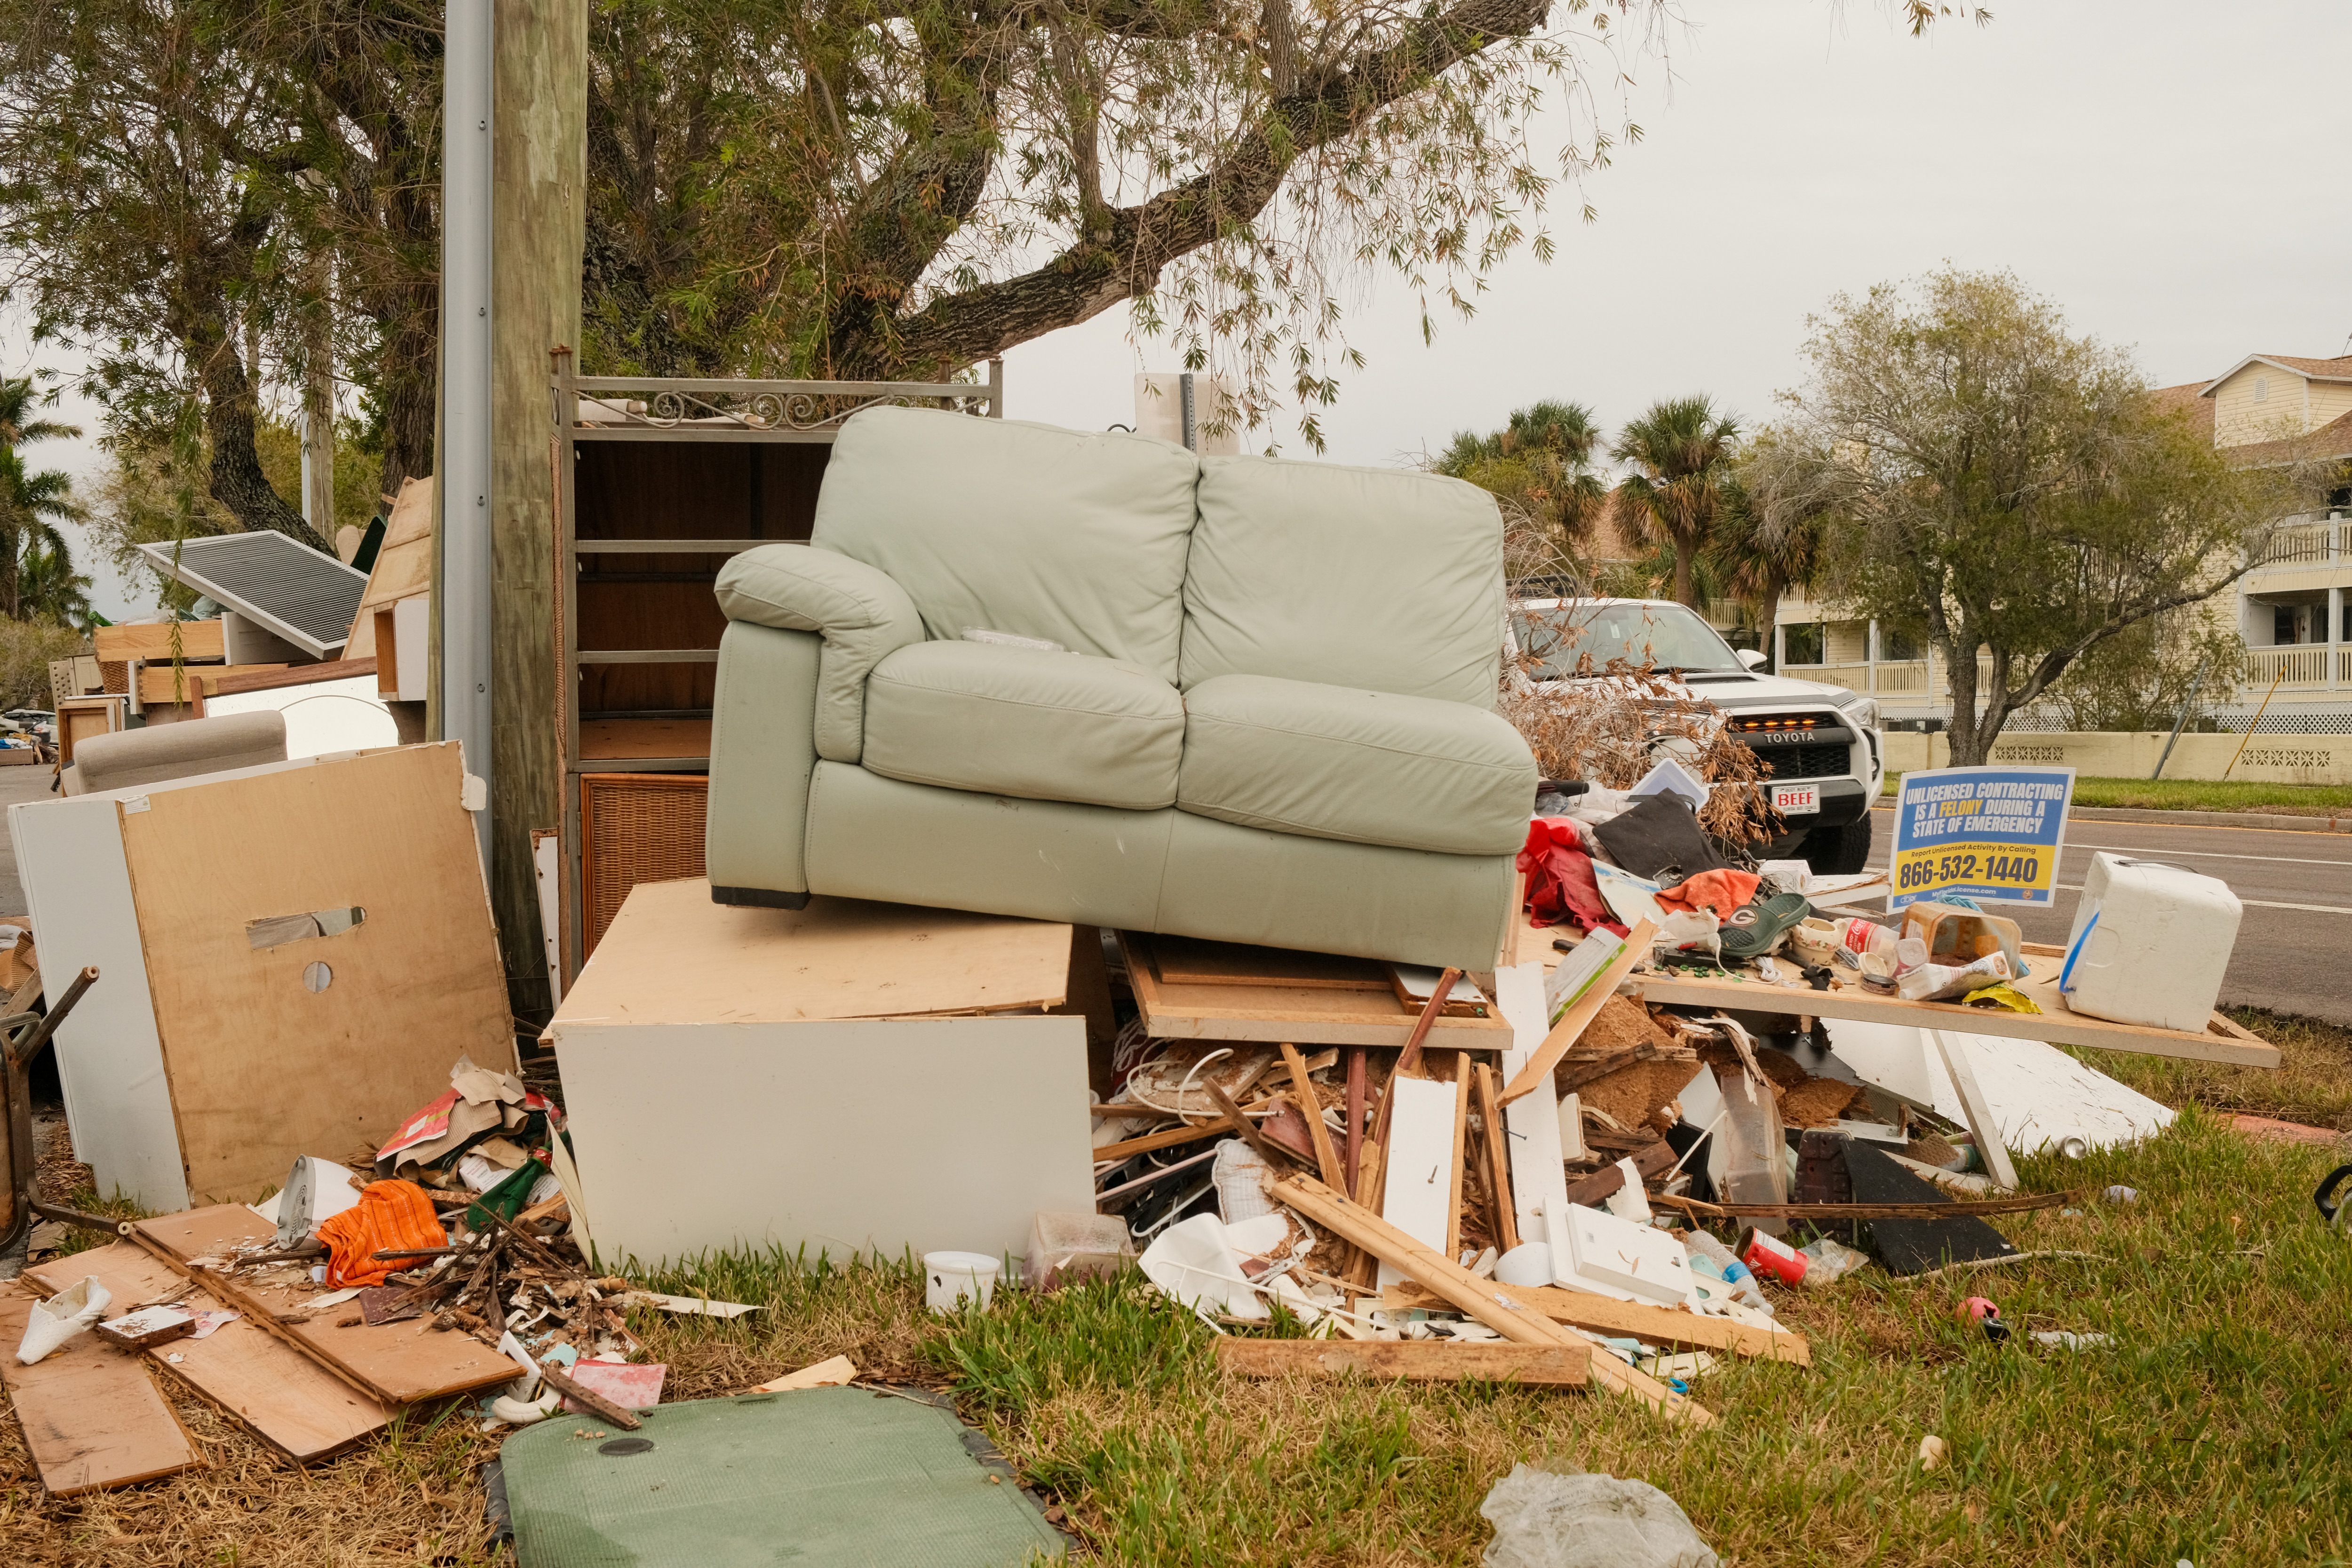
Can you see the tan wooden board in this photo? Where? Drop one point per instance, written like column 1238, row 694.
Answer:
column 92, row 1417
column 1191, row 961
column 1606, row 1315
column 288, row 1400
column 271, row 678
column 1301, row 1014
column 1579, row 1014
column 399, row 1364
column 672, row 956
column 2057, row 1024
column 157, row 682
column 404, row 563
column 198, row 639
column 261, row 1066
column 1417, row 1361
column 605, row 738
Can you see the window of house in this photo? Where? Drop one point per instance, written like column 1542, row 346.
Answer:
column 2262, row 387
column 1804, row 644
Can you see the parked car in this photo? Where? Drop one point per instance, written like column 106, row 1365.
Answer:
column 1820, row 746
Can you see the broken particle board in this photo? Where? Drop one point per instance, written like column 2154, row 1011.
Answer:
column 290, row 1402
column 1300, row 1014
column 93, row 1417
column 393, row 1362
column 671, row 950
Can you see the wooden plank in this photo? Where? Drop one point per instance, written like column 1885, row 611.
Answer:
column 156, row 684
column 1495, row 1306
column 198, row 639
column 392, row 1361
column 1461, row 1153
column 672, row 956
column 262, row 1068
column 271, row 678
column 1297, row 1014
column 1326, row 1159
column 1595, row 1189
column 1498, row 1162
column 1981, row 1121
column 1606, row 1315
column 2056, row 1024
column 1410, row 1361
column 603, row 739
column 92, row 1417
column 1170, row 1139
column 1572, row 1022
column 1191, row 961
column 287, row 1399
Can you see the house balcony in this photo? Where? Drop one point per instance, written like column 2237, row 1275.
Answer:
column 2306, row 667
column 1904, row 683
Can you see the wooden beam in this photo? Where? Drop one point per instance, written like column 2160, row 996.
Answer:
column 1498, row 1158
column 1597, row 1187
column 1272, row 1153
column 1168, row 1140
column 1326, row 1159
column 1357, row 1099
column 1496, row 1306
column 1573, row 1023
column 1637, row 1319
column 1411, row 1361
column 1461, row 1152
column 1982, row 1122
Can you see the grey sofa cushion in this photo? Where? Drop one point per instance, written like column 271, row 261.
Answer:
column 1371, row 767
column 861, row 614
column 1021, row 721
column 1371, row 578
column 1077, row 538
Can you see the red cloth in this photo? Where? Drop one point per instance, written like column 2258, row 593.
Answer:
column 1560, row 884
column 389, row 1216
column 1722, row 891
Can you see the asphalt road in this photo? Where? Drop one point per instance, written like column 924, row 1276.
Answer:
column 2294, row 944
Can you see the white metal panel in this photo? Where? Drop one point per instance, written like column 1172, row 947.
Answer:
column 841, row 1137
column 110, row 1057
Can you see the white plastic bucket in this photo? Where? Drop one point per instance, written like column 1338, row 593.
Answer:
column 949, row 1276
column 1529, row 1263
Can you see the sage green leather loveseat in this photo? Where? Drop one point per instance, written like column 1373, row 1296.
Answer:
column 1272, row 721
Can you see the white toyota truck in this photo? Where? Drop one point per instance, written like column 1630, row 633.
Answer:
column 1822, row 753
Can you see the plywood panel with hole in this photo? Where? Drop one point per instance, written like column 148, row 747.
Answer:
column 316, row 1046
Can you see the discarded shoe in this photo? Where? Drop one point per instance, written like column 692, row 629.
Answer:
column 1755, row 928
column 68, row 1312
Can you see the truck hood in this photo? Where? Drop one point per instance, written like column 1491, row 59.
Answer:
column 1733, row 693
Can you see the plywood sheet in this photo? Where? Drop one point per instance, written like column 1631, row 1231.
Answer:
column 91, row 1415
column 602, row 738
column 264, row 1067
column 1299, row 1014
column 404, row 563
column 672, row 956
column 289, row 1400
column 398, row 1363
column 198, row 639
column 1191, row 961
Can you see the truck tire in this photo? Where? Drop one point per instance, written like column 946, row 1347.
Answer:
column 1839, row 851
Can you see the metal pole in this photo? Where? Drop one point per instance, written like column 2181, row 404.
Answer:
column 2258, row 721
column 2195, row 686
column 1191, row 427
column 464, row 458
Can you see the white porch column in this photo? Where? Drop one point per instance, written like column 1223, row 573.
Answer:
column 1870, row 660
column 2334, row 638
column 1780, row 646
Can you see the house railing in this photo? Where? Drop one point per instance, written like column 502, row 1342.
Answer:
column 1910, row 679
column 2314, row 544
column 2307, row 665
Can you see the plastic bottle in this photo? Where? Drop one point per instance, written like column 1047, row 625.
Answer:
column 1712, row 1259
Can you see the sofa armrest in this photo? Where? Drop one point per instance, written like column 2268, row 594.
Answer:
column 860, row 612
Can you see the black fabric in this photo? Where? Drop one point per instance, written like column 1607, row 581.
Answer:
column 1658, row 837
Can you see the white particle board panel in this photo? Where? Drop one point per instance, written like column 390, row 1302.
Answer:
column 109, row 1054
column 886, row 1137
column 1418, row 1181
column 1537, row 1177
column 2037, row 1093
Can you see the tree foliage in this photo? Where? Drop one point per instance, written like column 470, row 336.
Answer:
column 1541, row 464
column 1683, row 484
column 37, row 573
column 1993, row 482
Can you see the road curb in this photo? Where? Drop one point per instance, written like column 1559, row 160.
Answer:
column 2267, row 823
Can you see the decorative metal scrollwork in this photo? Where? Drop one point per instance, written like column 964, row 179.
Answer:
column 799, row 411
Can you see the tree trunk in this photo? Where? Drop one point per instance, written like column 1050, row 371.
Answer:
column 1684, row 551
column 231, row 411
column 319, row 403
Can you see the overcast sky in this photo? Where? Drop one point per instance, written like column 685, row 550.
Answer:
column 2172, row 173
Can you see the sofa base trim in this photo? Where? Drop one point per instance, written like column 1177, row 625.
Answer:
column 759, row 898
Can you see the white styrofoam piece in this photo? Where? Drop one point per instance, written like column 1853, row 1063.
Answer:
column 1641, row 1259
column 1532, row 1120
column 1418, row 1181
column 109, row 1056
column 872, row 1137
column 1630, row 1200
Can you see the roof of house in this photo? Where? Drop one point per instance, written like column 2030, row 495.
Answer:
column 2337, row 369
column 2331, row 442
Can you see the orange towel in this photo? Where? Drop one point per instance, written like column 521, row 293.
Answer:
column 389, row 1215
column 1722, row 891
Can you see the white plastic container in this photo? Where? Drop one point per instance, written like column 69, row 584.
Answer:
column 949, row 1276
column 2149, row 945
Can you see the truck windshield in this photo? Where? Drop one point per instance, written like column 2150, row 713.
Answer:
column 1665, row 637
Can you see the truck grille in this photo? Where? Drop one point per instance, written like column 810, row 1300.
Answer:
column 1826, row 759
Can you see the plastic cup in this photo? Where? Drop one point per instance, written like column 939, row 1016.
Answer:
column 949, row 1276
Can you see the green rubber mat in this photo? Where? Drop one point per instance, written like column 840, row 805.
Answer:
column 814, row 1478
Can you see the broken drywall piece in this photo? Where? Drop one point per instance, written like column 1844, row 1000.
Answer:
column 1537, row 1177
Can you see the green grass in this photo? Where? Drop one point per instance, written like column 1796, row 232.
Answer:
column 2193, row 795
column 2211, row 1431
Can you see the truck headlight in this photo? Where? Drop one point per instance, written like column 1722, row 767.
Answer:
column 1861, row 710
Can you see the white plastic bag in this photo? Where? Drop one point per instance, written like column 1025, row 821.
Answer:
column 1193, row 1262
column 1827, row 1261
column 1546, row 1520
column 68, row 1312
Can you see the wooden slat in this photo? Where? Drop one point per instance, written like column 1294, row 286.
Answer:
column 287, row 1399
column 1572, row 1024
column 1496, row 1306
column 156, row 683
column 270, row 677
column 1461, row 1153
column 649, row 656
column 392, row 1361
column 1326, row 1159
column 672, row 546
column 1596, row 1188
column 1415, row 1360
column 198, row 639
column 92, row 1417
column 1606, row 1315
column 1498, row 1157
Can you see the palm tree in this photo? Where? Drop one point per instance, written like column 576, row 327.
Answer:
column 1758, row 559
column 49, row 589
column 1680, row 453
column 31, row 504
column 1541, row 459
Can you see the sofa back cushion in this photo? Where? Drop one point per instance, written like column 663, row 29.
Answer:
column 1372, row 578
column 1077, row 538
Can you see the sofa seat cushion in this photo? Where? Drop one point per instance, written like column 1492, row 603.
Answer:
column 1371, row 767
column 1025, row 723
